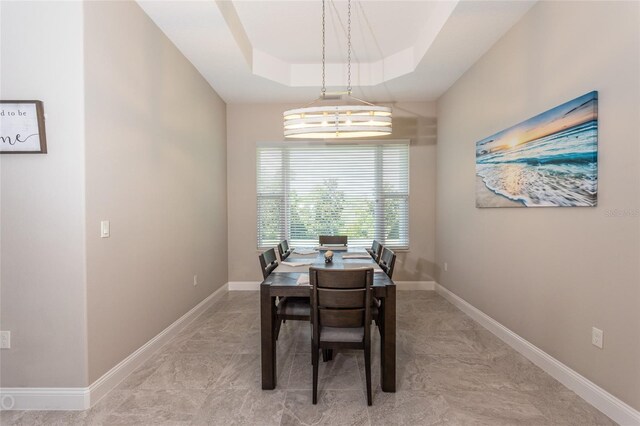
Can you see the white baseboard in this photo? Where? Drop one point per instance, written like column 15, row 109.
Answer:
column 244, row 285
column 84, row 398
column 402, row 285
column 415, row 285
column 44, row 398
column 613, row 407
column 113, row 377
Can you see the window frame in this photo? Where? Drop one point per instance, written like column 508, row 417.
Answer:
column 380, row 196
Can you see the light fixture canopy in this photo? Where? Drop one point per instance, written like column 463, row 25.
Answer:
column 337, row 121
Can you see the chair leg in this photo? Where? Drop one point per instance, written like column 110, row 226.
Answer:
column 312, row 344
column 367, row 369
column 315, row 361
column 327, row 355
column 380, row 321
column 277, row 330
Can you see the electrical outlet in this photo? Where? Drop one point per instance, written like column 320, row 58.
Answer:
column 5, row 340
column 446, row 266
column 195, row 280
column 597, row 337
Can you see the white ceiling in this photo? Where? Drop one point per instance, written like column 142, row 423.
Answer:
column 294, row 30
column 270, row 51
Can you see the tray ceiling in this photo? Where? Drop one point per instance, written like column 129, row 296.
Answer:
column 270, row 51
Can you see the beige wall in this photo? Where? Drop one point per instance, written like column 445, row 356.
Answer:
column 414, row 121
column 156, row 168
column 551, row 274
column 42, row 201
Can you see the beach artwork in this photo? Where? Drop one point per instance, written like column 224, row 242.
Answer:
column 550, row 160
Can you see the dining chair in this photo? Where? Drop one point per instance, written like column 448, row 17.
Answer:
column 333, row 239
column 288, row 308
column 341, row 315
column 375, row 250
column 268, row 262
column 387, row 261
column 283, row 250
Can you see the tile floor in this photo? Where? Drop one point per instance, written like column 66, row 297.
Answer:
column 450, row 371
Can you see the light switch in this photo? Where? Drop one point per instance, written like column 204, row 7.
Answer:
column 104, row 229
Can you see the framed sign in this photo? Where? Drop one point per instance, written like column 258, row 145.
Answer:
column 22, row 127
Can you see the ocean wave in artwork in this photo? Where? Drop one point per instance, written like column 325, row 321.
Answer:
column 543, row 185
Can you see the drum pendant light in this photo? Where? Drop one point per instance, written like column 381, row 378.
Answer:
column 356, row 118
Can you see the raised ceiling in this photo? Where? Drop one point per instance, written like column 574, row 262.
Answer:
column 270, row 51
column 296, row 37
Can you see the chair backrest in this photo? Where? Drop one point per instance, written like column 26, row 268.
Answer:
column 333, row 239
column 341, row 298
column 268, row 262
column 387, row 261
column 376, row 249
column 283, row 250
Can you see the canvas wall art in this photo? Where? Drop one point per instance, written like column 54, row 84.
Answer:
column 550, row 160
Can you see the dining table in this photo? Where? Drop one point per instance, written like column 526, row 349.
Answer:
column 286, row 281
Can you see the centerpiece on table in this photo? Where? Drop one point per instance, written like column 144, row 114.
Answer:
column 328, row 256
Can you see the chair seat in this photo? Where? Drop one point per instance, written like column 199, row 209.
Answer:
column 295, row 306
column 335, row 334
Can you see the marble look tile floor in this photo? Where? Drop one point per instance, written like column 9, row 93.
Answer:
column 451, row 371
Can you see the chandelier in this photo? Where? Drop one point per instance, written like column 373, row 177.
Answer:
column 323, row 119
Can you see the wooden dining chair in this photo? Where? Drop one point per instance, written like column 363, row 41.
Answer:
column 288, row 308
column 387, row 261
column 375, row 250
column 333, row 239
column 268, row 262
column 341, row 316
column 283, row 250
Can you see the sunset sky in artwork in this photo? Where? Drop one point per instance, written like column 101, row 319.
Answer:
column 571, row 114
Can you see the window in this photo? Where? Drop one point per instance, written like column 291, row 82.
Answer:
column 310, row 189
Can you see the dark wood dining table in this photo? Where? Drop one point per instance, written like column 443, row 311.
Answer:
column 283, row 281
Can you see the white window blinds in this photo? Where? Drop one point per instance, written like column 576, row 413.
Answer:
column 358, row 190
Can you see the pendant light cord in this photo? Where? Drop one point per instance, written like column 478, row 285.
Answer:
column 324, row 89
column 349, row 48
